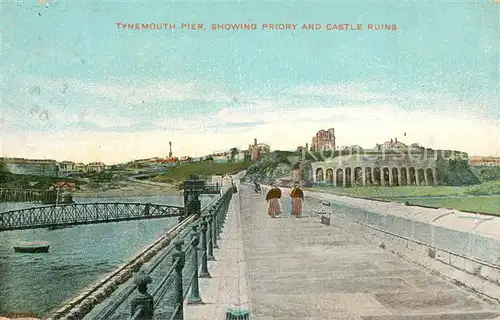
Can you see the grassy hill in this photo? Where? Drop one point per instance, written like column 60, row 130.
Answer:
column 486, row 173
column 203, row 169
column 455, row 172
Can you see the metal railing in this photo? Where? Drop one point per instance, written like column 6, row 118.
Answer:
column 175, row 272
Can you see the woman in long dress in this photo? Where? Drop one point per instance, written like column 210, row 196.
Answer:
column 273, row 200
column 297, row 197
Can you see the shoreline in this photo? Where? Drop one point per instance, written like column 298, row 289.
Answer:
column 134, row 191
column 130, row 189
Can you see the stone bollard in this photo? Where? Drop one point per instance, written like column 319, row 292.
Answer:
column 142, row 306
column 237, row 314
column 179, row 257
column 194, row 296
column 204, row 266
column 210, row 253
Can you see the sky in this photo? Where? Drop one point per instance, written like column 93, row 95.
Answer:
column 76, row 87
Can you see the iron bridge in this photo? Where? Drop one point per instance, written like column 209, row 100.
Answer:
column 54, row 216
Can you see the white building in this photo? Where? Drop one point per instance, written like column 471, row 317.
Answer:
column 96, row 166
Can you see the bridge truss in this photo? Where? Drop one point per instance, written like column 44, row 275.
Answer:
column 84, row 213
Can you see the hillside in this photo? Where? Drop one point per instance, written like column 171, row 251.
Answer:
column 204, row 168
column 278, row 167
column 486, row 173
column 455, row 173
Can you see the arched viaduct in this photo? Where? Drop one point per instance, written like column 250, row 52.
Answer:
column 376, row 170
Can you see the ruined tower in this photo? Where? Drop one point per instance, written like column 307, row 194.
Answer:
column 324, row 140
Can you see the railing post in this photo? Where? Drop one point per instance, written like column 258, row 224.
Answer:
column 143, row 301
column 204, row 266
column 210, row 254
column 213, row 214
column 194, row 296
column 179, row 256
column 220, row 223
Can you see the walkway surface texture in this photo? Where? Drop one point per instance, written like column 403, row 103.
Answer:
column 297, row 268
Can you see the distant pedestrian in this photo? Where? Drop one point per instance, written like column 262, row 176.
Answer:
column 235, row 190
column 297, row 197
column 273, row 200
column 256, row 187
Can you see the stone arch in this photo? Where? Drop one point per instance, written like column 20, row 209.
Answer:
column 329, row 175
column 377, row 180
column 404, row 177
column 319, row 174
column 385, row 177
column 348, row 182
column 421, row 176
column 413, row 176
column 430, row 177
column 358, row 176
column 339, row 178
column 395, row 177
column 368, row 176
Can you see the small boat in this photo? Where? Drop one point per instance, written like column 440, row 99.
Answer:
column 59, row 227
column 32, row 247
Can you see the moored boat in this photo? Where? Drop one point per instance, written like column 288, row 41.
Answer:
column 59, row 227
column 32, row 247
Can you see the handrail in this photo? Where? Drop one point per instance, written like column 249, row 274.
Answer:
column 183, row 269
column 165, row 278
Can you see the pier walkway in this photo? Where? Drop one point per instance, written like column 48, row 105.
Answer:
column 298, row 269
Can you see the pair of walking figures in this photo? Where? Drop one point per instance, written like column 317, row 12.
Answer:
column 273, row 199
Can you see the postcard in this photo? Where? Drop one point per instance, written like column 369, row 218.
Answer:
column 249, row 160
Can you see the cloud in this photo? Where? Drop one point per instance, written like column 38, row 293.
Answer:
column 135, row 92
column 283, row 121
column 350, row 92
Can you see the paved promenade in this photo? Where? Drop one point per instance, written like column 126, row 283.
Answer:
column 299, row 269
column 227, row 288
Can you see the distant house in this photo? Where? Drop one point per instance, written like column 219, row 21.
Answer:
column 80, row 167
column 239, row 157
column 221, row 157
column 258, row 150
column 95, row 166
column 63, row 185
column 484, row 161
column 36, row 167
column 166, row 163
column 67, row 166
